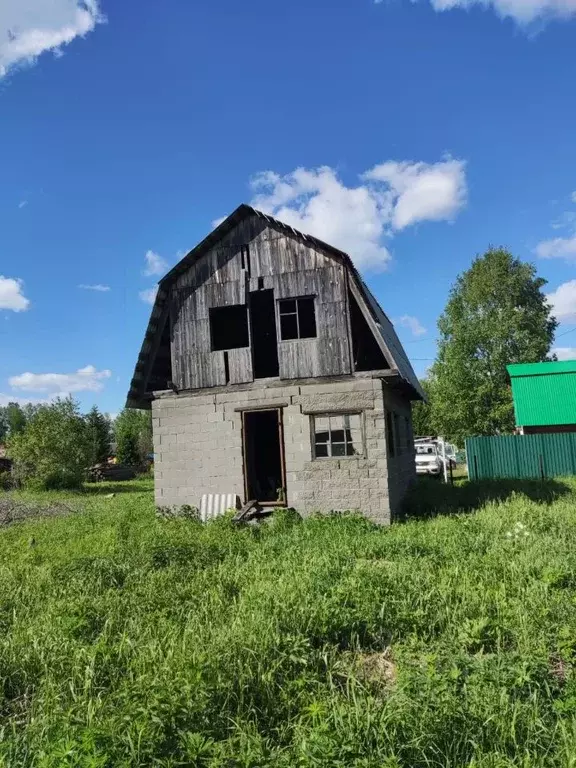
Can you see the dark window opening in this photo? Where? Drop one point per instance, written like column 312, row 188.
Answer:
column 260, row 283
column 390, row 435
column 366, row 352
column 229, row 327
column 264, row 341
column 336, row 435
column 297, row 318
column 263, row 466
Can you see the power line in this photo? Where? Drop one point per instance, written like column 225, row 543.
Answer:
column 565, row 332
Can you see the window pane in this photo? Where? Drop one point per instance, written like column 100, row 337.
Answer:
column 287, row 306
column 333, row 436
column 288, row 327
column 354, row 421
column 307, row 318
column 356, row 439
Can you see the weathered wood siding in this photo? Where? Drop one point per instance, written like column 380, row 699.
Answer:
column 226, row 275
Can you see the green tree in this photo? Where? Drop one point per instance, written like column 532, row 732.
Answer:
column 3, row 424
column 496, row 314
column 99, row 433
column 16, row 418
column 422, row 412
column 133, row 432
column 53, row 451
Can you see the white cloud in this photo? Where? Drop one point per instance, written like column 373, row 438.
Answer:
column 23, row 204
column 96, row 287
column 86, row 379
column 565, row 353
column 29, row 28
column 11, row 296
column 557, row 248
column 413, row 324
column 5, row 399
column 155, row 264
column 565, row 219
column 358, row 219
column 573, row 197
column 422, row 191
column 522, row 11
column 149, row 296
column 563, row 301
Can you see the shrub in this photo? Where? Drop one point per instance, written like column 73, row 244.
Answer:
column 54, row 449
column 133, row 432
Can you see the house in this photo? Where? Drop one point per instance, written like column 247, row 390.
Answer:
column 273, row 374
column 544, row 396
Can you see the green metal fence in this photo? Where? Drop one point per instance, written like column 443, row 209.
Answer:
column 521, row 456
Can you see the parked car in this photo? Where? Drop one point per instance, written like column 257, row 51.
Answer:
column 443, row 448
column 428, row 462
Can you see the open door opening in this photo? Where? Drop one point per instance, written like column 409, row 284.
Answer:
column 264, row 340
column 263, row 457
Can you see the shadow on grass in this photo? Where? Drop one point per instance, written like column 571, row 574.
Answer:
column 430, row 497
column 140, row 485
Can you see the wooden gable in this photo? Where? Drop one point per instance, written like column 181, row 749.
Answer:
column 247, row 257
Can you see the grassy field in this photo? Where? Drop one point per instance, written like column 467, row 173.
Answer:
column 127, row 640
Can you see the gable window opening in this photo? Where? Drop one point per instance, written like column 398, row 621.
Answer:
column 229, row 327
column 297, row 318
column 337, row 435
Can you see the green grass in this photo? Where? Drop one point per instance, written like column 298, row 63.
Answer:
column 131, row 641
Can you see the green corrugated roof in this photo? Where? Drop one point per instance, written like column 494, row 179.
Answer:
column 542, row 369
column 544, row 393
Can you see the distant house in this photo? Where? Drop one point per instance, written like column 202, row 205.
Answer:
column 544, row 396
column 5, row 462
column 274, row 375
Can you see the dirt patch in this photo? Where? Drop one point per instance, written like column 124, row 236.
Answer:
column 12, row 511
column 376, row 667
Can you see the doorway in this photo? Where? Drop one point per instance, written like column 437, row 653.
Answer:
column 264, row 339
column 264, row 476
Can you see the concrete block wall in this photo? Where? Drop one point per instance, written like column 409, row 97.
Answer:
column 198, row 446
column 401, row 466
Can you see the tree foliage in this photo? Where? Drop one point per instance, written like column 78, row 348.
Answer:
column 422, row 413
column 13, row 419
column 496, row 314
column 99, row 433
column 133, row 432
column 54, row 449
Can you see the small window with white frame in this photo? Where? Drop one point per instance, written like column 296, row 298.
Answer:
column 337, row 435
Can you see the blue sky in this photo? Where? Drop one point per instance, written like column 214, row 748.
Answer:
column 411, row 134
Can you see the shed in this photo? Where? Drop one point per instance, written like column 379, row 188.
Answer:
column 544, row 396
column 274, row 375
